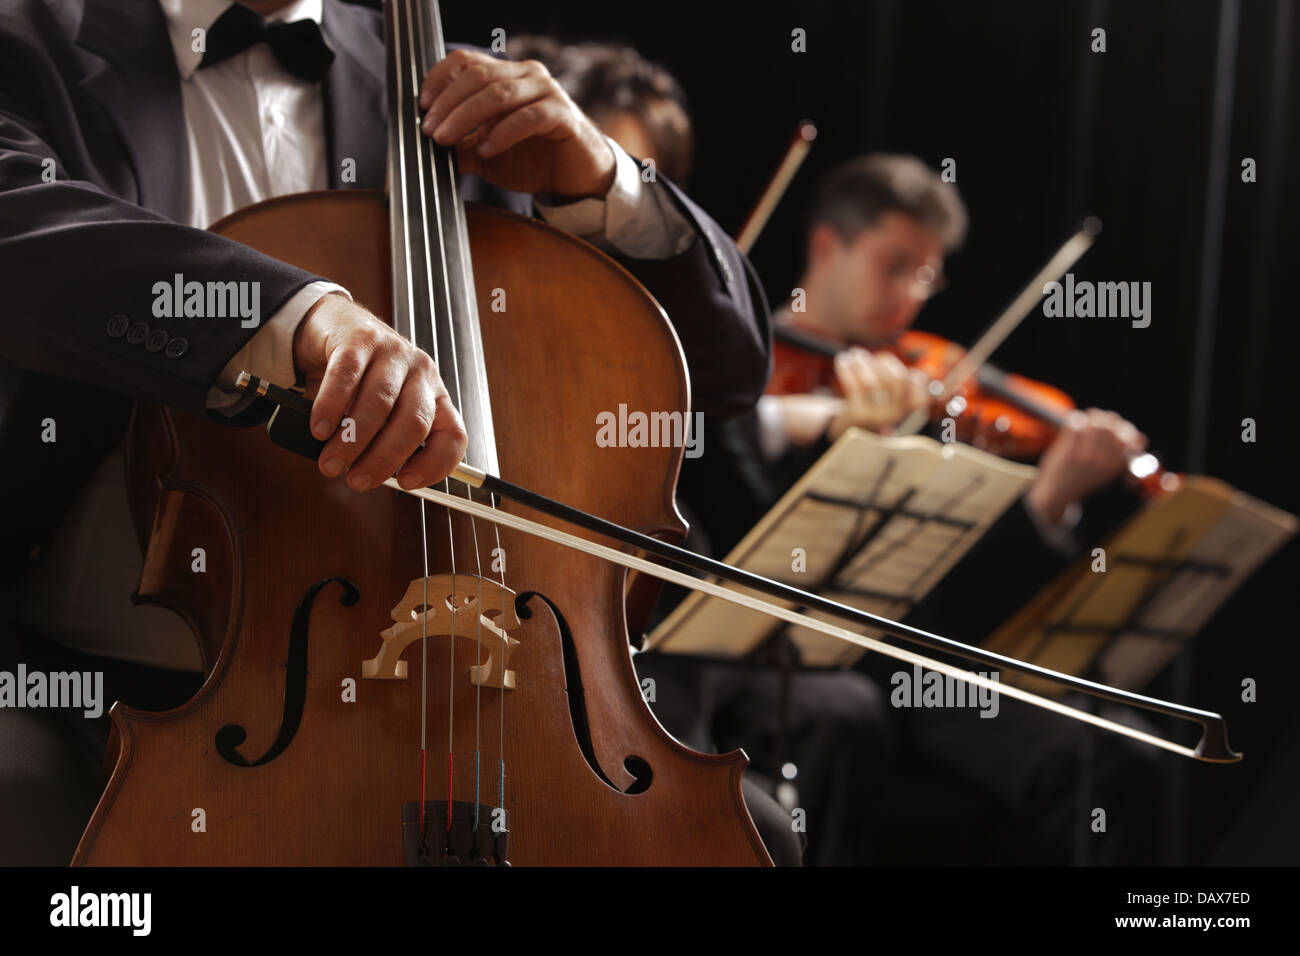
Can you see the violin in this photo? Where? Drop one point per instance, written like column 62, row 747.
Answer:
column 1004, row 414
column 999, row 412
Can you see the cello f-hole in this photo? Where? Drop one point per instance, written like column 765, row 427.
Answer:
column 230, row 737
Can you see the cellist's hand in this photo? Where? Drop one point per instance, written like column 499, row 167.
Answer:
column 879, row 391
column 514, row 125
column 357, row 367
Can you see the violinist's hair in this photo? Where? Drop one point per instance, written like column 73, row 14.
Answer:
column 608, row 79
column 855, row 194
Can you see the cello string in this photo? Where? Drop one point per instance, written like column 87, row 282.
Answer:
column 500, row 555
column 401, row 27
column 431, row 43
column 467, row 291
column 419, row 68
column 454, row 221
column 478, row 684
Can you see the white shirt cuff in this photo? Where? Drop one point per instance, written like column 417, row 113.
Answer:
column 269, row 353
column 639, row 222
column 772, row 439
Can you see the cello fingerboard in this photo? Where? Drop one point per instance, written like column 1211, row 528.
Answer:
column 434, row 301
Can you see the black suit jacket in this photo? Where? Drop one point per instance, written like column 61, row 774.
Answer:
column 93, row 85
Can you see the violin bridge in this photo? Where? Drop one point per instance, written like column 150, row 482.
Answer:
column 464, row 605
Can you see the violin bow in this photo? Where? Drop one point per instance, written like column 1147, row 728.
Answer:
column 795, row 154
column 1007, row 322
column 291, row 432
column 1140, row 464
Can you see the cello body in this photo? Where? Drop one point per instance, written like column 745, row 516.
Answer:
column 303, row 745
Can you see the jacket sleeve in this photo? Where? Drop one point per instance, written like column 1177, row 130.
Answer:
column 716, row 303
column 79, row 267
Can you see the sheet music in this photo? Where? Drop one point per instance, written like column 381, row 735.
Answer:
column 875, row 523
column 1168, row 570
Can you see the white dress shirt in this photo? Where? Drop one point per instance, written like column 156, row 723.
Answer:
column 254, row 131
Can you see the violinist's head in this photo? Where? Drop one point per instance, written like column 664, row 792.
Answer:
column 638, row 104
column 878, row 232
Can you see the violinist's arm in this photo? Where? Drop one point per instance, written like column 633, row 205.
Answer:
column 878, row 391
column 709, row 290
column 1089, row 453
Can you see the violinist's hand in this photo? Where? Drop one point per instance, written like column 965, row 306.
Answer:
column 514, row 125
column 879, row 392
column 1091, row 451
column 356, row 366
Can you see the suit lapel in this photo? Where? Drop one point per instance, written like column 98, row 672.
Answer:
column 356, row 122
column 139, row 87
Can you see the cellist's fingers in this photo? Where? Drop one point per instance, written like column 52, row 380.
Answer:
column 421, row 416
column 456, row 76
column 468, row 83
column 362, row 369
column 372, row 403
column 495, row 103
column 539, row 118
column 443, row 450
column 334, row 346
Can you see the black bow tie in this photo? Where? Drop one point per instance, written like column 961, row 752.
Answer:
column 299, row 46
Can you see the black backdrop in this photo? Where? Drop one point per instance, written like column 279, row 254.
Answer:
column 1044, row 130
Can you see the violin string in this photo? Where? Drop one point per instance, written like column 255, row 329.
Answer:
column 401, row 27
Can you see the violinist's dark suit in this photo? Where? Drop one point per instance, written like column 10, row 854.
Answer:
column 93, row 178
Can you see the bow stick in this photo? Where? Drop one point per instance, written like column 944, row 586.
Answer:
column 291, row 432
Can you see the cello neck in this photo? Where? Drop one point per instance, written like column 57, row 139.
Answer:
column 434, row 301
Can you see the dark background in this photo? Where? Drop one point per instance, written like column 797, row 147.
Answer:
column 1044, row 130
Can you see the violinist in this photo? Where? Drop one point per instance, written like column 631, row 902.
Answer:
column 131, row 127
column 881, row 226
column 879, row 230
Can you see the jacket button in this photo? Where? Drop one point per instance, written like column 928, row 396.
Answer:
column 117, row 326
column 137, row 333
column 177, row 347
column 157, row 339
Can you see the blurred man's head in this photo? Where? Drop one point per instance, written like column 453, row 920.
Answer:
column 878, row 231
column 635, row 102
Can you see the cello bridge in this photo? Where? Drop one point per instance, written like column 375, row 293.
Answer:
column 461, row 606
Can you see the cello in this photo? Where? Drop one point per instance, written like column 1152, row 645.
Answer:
column 516, row 732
